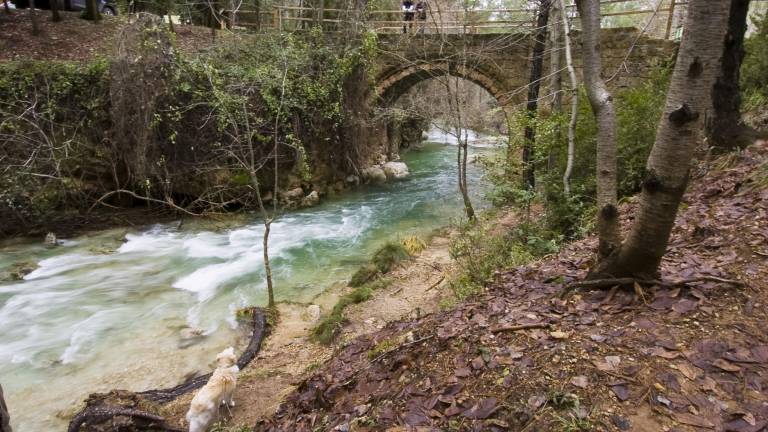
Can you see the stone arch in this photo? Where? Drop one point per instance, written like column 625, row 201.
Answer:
column 394, row 83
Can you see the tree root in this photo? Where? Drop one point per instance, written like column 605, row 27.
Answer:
column 100, row 413
column 519, row 327
column 628, row 281
column 257, row 336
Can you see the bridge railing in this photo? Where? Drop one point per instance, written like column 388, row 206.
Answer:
column 663, row 21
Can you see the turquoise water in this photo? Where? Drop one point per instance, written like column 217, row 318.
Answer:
column 108, row 309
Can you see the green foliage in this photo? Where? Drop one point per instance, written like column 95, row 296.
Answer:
column 754, row 79
column 638, row 111
column 363, row 275
column 389, row 255
column 380, row 348
column 480, row 250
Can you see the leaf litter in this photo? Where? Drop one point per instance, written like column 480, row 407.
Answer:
column 694, row 357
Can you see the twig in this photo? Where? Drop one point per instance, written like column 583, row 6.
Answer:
column 520, row 327
column 401, row 346
column 434, row 285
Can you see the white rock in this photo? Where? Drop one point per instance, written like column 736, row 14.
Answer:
column 395, row 170
column 310, row 200
column 374, row 174
column 294, row 194
column 311, row 314
column 353, row 179
column 50, row 239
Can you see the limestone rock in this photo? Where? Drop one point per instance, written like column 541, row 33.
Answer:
column 374, row 174
column 353, row 180
column 294, row 194
column 311, row 200
column 50, row 239
column 395, row 170
column 311, row 314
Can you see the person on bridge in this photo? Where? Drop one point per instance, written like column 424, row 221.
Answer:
column 421, row 15
column 407, row 15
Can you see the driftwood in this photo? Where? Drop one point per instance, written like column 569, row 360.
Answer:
column 100, row 412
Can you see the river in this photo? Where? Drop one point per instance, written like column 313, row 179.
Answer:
column 108, row 309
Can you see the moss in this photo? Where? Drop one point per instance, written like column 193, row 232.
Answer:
column 328, row 328
column 389, row 255
column 381, row 347
column 363, row 275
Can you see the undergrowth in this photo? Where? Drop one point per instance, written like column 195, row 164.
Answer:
column 326, row 331
column 482, row 248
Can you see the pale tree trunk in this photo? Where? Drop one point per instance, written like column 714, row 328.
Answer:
column 725, row 129
column 556, row 78
column 669, row 163
column 462, row 146
column 602, row 106
column 534, row 85
column 574, row 103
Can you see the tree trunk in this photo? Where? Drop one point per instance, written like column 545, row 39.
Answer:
column 5, row 418
column 602, row 106
column 534, row 84
column 556, row 78
column 574, row 103
column 676, row 139
column 8, row 12
column 33, row 18
column 725, row 128
column 91, row 11
column 55, row 15
column 257, row 8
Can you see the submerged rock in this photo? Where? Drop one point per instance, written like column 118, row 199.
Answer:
column 374, row 174
column 311, row 314
column 311, row 200
column 396, row 170
column 17, row 271
column 190, row 336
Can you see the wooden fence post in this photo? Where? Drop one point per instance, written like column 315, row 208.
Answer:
column 670, row 18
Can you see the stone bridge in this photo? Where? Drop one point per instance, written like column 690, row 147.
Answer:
column 501, row 63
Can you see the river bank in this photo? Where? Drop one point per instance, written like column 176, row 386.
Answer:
column 288, row 354
column 168, row 294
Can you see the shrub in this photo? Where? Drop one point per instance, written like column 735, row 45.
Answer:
column 363, row 275
column 389, row 255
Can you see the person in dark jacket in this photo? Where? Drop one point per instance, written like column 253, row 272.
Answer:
column 407, row 15
column 421, row 15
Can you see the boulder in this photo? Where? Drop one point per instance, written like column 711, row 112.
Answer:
column 374, row 174
column 311, row 200
column 294, row 194
column 311, row 314
column 353, row 180
column 50, row 239
column 395, row 170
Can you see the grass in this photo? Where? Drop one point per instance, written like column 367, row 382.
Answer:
column 326, row 331
column 367, row 279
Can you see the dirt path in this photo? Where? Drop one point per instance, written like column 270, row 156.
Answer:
column 288, row 355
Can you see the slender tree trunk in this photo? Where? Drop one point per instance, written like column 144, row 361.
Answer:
column 33, row 18
column 725, row 128
column 574, row 103
column 676, row 140
column 602, row 106
column 539, row 43
column 257, row 8
column 55, row 15
column 556, row 78
column 91, row 11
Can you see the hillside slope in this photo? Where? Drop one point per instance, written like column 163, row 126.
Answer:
column 677, row 356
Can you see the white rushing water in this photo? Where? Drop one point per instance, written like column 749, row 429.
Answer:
column 108, row 310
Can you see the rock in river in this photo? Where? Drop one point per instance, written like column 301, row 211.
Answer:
column 395, row 170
